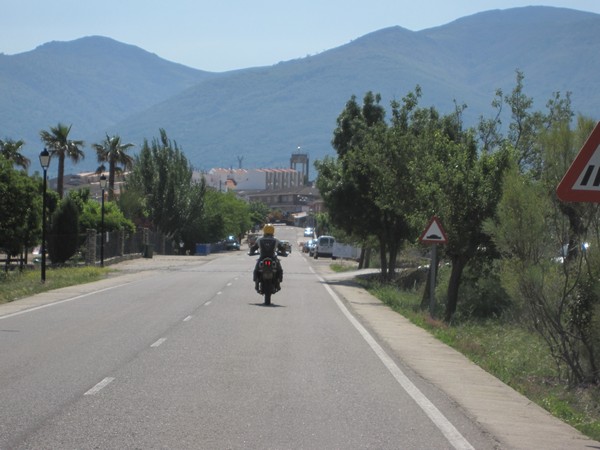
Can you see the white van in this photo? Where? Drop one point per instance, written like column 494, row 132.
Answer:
column 324, row 247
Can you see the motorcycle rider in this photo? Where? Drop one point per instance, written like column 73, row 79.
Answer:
column 268, row 246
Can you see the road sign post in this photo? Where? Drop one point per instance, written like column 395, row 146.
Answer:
column 434, row 234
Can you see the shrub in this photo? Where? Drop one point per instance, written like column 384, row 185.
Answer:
column 63, row 236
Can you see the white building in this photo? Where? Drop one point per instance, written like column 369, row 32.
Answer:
column 252, row 179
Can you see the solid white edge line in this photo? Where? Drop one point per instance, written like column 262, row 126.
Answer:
column 159, row 342
column 47, row 305
column 100, row 386
column 453, row 436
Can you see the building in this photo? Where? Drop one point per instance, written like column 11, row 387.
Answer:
column 253, row 179
column 90, row 180
column 304, row 199
column 287, row 190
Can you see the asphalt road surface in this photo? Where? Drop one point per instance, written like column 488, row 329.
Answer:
column 185, row 356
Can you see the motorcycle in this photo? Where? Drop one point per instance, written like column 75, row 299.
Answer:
column 267, row 276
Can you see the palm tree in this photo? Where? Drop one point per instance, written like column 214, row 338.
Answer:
column 11, row 150
column 58, row 143
column 111, row 150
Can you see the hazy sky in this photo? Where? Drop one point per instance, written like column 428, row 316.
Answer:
column 221, row 35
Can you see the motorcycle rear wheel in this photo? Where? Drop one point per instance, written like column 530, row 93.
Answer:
column 267, row 287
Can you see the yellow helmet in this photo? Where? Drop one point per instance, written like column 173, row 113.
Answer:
column 269, row 229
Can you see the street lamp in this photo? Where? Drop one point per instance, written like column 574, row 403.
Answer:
column 45, row 162
column 102, row 186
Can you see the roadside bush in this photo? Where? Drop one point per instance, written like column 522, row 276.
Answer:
column 63, row 236
column 481, row 293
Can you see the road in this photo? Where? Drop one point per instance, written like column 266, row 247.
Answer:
column 185, row 356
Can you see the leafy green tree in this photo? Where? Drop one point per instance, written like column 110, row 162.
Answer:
column 523, row 127
column 64, row 237
column 90, row 213
column 20, row 203
column 466, row 187
column 114, row 220
column 259, row 212
column 133, row 204
column 11, row 150
column 59, row 145
column 388, row 180
column 193, row 220
column 172, row 200
column 226, row 215
column 349, row 184
column 547, row 269
column 113, row 151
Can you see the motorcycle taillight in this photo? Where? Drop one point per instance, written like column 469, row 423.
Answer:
column 268, row 263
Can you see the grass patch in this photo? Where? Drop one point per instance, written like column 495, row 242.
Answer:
column 15, row 285
column 344, row 266
column 511, row 353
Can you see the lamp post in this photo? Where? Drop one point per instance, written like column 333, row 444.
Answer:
column 45, row 162
column 102, row 186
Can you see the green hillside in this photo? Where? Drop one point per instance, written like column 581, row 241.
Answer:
column 263, row 114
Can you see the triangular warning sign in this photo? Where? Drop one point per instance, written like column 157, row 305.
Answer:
column 581, row 183
column 434, row 233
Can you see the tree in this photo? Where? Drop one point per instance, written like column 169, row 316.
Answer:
column 172, row 200
column 58, row 143
column 21, row 206
column 524, row 127
column 63, row 236
column 113, row 151
column 231, row 213
column 90, row 213
column 548, row 267
column 460, row 185
column 11, row 150
column 258, row 212
column 348, row 183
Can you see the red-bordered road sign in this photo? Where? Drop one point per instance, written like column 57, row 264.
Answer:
column 434, row 233
column 581, row 183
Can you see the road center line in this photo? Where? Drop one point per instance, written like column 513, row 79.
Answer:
column 159, row 342
column 187, row 319
column 100, row 386
column 448, row 430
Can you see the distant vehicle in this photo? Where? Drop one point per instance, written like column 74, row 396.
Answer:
column 324, row 247
column 310, row 247
column 309, row 232
column 231, row 243
column 251, row 239
column 305, row 246
column 287, row 245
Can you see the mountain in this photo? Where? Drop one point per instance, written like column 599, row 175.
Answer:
column 92, row 83
column 263, row 114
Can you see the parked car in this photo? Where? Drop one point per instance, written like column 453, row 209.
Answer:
column 287, row 245
column 310, row 247
column 231, row 243
column 309, row 232
column 324, row 247
column 305, row 246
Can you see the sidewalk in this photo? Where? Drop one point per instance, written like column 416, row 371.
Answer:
column 515, row 421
